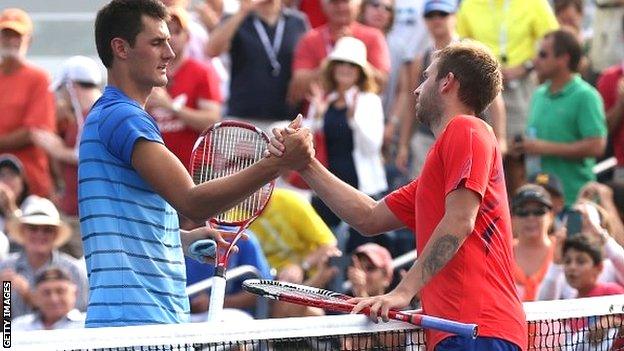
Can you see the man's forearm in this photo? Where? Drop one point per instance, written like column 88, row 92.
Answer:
column 15, row 140
column 590, row 147
column 444, row 243
column 347, row 202
column 614, row 115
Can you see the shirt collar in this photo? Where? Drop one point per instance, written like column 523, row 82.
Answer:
column 568, row 88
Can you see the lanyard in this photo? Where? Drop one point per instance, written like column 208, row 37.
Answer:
column 327, row 40
column 503, row 30
column 271, row 49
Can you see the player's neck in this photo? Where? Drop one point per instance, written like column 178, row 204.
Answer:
column 133, row 90
column 450, row 112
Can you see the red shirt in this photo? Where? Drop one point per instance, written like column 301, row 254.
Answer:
column 607, row 86
column 314, row 10
column 198, row 81
column 26, row 102
column 316, row 45
column 476, row 286
column 604, row 289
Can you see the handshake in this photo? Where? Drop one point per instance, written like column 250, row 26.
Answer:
column 292, row 147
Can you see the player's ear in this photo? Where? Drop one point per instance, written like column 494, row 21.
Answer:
column 447, row 82
column 120, row 48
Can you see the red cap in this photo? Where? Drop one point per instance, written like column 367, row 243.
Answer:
column 378, row 255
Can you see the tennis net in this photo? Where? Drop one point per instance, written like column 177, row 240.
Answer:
column 594, row 324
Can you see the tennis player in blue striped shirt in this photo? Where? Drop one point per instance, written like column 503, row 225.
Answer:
column 130, row 185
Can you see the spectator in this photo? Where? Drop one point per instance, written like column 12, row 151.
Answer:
column 77, row 87
column 552, row 184
column 261, row 39
column 371, row 274
column 532, row 216
column 26, row 101
column 191, row 102
column 607, row 197
column 512, row 28
column 351, row 119
column 569, row 14
column 610, row 84
column 582, row 261
column 13, row 188
column 55, row 297
column 377, row 14
column 594, row 227
column 319, row 42
column 41, row 232
column 566, row 115
column 249, row 253
column 371, row 271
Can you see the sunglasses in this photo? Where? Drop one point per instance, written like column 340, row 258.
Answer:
column 378, row 4
column 538, row 212
column 432, row 14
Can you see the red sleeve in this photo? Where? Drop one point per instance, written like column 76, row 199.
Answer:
column 468, row 149
column 378, row 52
column 606, row 86
column 402, row 203
column 305, row 57
column 210, row 85
column 40, row 109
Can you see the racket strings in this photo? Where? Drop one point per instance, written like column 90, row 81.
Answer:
column 278, row 288
column 226, row 151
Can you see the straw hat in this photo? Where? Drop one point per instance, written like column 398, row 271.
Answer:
column 352, row 50
column 38, row 211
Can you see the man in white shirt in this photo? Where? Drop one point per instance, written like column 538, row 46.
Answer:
column 55, row 297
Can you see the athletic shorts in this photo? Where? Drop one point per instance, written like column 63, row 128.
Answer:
column 460, row 343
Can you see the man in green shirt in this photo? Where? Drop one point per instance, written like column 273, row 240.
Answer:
column 566, row 116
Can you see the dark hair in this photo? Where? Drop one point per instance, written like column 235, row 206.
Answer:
column 123, row 19
column 561, row 5
column 581, row 243
column 566, row 43
column 476, row 69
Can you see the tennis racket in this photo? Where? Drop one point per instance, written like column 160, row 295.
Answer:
column 224, row 149
column 333, row 301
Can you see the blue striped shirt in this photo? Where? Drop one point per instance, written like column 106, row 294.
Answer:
column 130, row 233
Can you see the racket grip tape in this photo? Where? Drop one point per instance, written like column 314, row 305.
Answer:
column 217, row 296
column 445, row 325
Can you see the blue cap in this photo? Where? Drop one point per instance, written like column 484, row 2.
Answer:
column 448, row 6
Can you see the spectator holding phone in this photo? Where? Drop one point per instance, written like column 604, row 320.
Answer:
column 594, row 227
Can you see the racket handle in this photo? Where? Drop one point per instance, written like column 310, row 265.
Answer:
column 462, row 329
column 217, row 295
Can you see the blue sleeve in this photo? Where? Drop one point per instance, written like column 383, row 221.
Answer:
column 251, row 254
column 123, row 126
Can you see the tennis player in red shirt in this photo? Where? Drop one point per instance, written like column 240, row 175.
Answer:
column 457, row 208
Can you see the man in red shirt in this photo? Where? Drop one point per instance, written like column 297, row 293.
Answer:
column 318, row 43
column 25, row 101
column 457, row 208
column 191, row 101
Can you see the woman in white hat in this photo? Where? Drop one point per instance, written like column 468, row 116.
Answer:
column 352, row 121
column 41, row 232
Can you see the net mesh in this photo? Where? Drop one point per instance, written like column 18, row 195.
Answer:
column 226, row 150
column 594, row 324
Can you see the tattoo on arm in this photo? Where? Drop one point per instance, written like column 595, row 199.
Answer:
column 442, row 250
